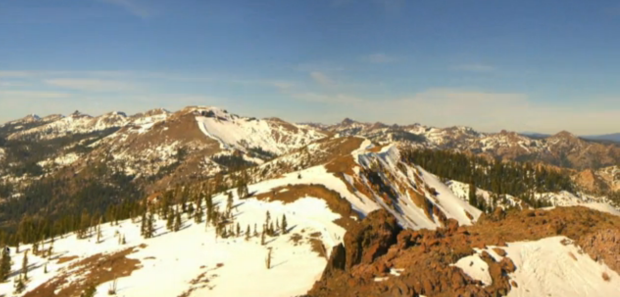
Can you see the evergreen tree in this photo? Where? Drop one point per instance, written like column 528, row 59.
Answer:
column 5, row 264
column 177, row 222
column 25, row 265
column 238, row 230
column 472, row 195
column 284, row 224
column 170, row 221
column 247, row 233
column 198, row 214
column 151, row 225
column 229, row 202
column 19, row 285
column 262, row 236
column 190, row 208
column 143, row 224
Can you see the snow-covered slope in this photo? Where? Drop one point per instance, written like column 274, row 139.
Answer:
column 234, row 132
column 193, row 260
column 370, row 178
column 75, row 123
column 548, row 267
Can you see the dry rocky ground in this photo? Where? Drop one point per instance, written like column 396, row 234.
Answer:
column 378, row 245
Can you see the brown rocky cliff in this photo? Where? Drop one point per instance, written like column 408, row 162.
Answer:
column 422, row 259
column 370, row 239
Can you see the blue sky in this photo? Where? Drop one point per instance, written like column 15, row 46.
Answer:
column 522, row 65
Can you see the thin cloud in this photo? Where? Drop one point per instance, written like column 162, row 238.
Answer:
column 379, row 58
column 321, row 79
column 91, row 85
column 474, row 68
column 135, row 7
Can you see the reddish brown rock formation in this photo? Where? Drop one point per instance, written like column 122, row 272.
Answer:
column 423, row 258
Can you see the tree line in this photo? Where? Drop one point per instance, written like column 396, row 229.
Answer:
column 517, row 179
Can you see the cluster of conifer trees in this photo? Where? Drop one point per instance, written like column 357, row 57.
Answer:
column 516, row 179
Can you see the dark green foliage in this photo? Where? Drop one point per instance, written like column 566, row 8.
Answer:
column 516, row 179
column 233, row 162
column 27, row 151
column 56, row 205
column 178, row 223
column 400, row 135
column 5, row 264
column 258, row 152
column 472, row 195
column 284, row 224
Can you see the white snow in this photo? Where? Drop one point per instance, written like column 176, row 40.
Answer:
column 233, row 132
column 171, row 260
column 547, row 267
column 476, row 268
column 453, row 206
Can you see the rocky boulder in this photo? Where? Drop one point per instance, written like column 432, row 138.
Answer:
column 372, row 238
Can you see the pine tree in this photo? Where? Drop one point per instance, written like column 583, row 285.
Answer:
column 229, row 202
column 177, row 222
column 25, row 265
column 151, row 225
column 143, row 224
column 190, row 208
column 238, row 229
column 472, row 195
column 284, row 225
column 50, row 249
column 19, row 285
column 198, row 214
column 262, row 236
column 247, row 233
column 5, row 264
column 170, row 221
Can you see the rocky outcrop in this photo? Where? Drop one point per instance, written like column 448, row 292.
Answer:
column 603, row 245
column 370, row 239
column 412, row 263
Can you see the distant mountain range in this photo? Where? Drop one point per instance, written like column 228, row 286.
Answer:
column 615, row 137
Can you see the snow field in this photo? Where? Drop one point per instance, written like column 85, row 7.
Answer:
column 547, row 267
column 172, row 260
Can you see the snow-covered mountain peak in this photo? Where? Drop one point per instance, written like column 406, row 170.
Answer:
column 242, row 133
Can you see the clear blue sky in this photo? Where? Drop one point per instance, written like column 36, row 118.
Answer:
column 520, row 65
